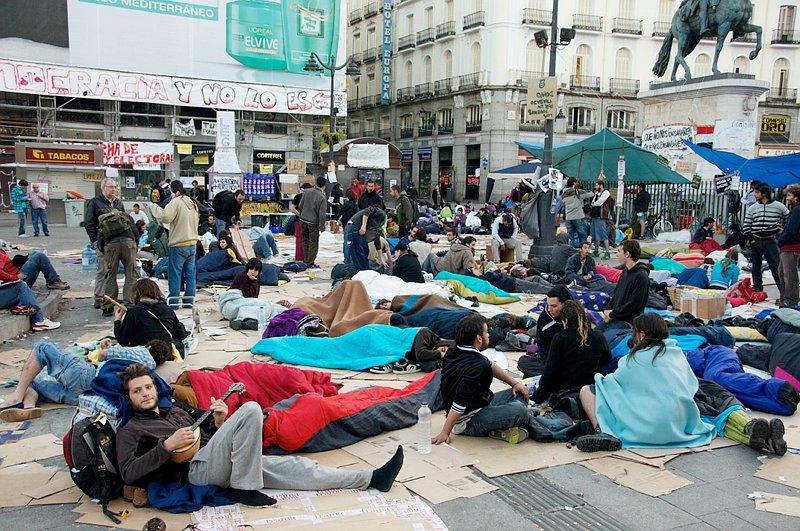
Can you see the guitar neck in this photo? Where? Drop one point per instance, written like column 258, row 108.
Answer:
column 205, row 415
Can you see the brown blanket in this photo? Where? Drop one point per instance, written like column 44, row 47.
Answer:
column 344, row 309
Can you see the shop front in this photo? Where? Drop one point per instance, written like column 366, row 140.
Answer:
column 407, row 171
column 425, row 155
column 137, row 165
column 472, row 179
column 445, row 171
column 194, row 163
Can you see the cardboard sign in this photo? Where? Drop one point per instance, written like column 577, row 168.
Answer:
column 542, row 99
column 296, row 166
column 184, row 149
column 138, row 153
column 722, row 183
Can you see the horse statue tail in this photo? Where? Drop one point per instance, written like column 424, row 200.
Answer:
column 660, row 68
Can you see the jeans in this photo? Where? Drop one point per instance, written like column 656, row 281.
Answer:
column 265, row 246
column 576, row 228
column 599, row 230
column 791, row 290
column 115, row 252
column 67, row 375
column 182, row 267
column 21, row 215
column 504, row 411
column 38, row 263
column 355, row 248
column 36, row 215
column 20, row 294
column 161, row 269
column 760, row 249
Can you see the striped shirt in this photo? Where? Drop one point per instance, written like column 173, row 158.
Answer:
column 765, row 220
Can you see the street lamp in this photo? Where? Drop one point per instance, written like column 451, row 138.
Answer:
column 316, row 65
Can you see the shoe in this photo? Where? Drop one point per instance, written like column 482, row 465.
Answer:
column 155, row 524
column 23, row 235
column 140, row 498
column 47, row 324
column 58, row 284
column 314, row 266
column 775, row 443
column 404, row 367
column 381, row 369
column 23, row 310
column 607, row 256
column 35, row 235
column 236, row 324
column 98, row 305
column 18, row 414
column 250, row 324
column 596, row 254
column 510, row 435
column 759, row 432
column 47, row 235
column 127, row 493
column 108, row 312
column 598, row 442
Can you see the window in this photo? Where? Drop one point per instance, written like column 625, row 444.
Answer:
column 448, row 64
column 581, row 118
column 356, row 43
column 622, row 68
column 445, row 120
column 429, row 16
column 370, row 128
column 476, row 57
column 741, row 65
column 666, row 9
column 621, row 119
column 407, row 121
column 448, row 7
column 355, row 128
column 409, row 74
column 780, row 75
column 410, row 25
column 626, row 8
column 786, row 19
column 426, row 120
column 474, row 115
column 583, row 62
column 538, row 4
column 534, row 58
column 702, row 65
column 428, row 69
column 371, row 37
column 370, row 84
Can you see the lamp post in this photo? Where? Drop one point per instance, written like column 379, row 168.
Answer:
column 316, row 65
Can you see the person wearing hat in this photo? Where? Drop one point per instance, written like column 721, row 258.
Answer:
column 407, row 265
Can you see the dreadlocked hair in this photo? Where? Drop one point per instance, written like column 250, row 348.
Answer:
column 575, row 316
column 655, row 331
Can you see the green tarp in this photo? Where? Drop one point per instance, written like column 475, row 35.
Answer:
column 583, row 160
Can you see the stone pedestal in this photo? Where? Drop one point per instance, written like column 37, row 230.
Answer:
column 727, row 102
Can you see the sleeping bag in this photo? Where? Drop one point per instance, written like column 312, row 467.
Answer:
column 693, row 276
column 468, row 287
column 784, row 359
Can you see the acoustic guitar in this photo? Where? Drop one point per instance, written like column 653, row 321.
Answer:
column 182, row 455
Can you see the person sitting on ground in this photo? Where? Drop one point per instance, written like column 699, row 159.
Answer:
column 249, row 280
column 380, row 257
column 18, row 297
column 230, row 454
column 426, row 355
column 505, row 235
column 69, row 375
column 562, row 251
column 633, row 288
column 211, row 224
column 576, row 354
column 138, row 215
column 703, row 238
column 27, row 268
column 407, row 266
column 467, row 375
column 265, row 245
column 225, row 242
column 726, row 271
column 548, row 326
column 418, row 243
column 149, row 318
column 580, row 268
column 460, row 259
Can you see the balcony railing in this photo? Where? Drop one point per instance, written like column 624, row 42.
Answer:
column 619, row 85
column 785, row 36
column 355, row 15
column 445, row 129
column 405, row 43
column 784, row 94
column 629, row 26
column 587, row 22
column 474, row 125
column 443, row 86
column 425, row 36
column 368, row 101
column 370, row 54
column 537, row 17
column 406, row 132
column 474, row 20
column 537, row 125
column 385, row 134
column 445, row 29
column 355, row 58
column 522, row 78
column 371, row 9
column 746, row 38
column 405, row 94
column 423, row 90
column 352, row 105
column 469, row 81
column 584, row 83
column 582, row 129
column 660, row 29
column 425, row 129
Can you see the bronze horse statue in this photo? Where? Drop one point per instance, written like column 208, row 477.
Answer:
column 723, row 17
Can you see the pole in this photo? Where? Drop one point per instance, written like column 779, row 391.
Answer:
column 333, row 110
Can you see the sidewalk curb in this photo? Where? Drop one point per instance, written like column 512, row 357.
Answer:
column 12, row 326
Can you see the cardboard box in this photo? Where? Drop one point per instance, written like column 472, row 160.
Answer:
column 705, row 304
column 505, row 256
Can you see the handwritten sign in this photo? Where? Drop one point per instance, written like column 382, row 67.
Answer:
column 225, row 182
column 667, row 140
column 296, row 166
column 137, row 153
column 542, row 99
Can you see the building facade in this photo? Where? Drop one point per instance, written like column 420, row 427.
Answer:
column 460, row 71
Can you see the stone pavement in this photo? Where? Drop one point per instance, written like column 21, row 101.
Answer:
column 568, row 495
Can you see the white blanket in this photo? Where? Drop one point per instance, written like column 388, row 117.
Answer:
column 387, row 287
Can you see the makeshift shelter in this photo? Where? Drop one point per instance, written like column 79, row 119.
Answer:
column 585, row 159
column 505, row 180
column 777, row 172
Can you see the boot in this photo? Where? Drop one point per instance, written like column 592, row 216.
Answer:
column 759, row 431
column 775, row 442
column 140, row 498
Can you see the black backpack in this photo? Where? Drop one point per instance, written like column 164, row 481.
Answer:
column 219, row 200
column 90, row 452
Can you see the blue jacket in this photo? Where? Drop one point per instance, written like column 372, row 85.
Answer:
column 721, row 279
column 791, row 232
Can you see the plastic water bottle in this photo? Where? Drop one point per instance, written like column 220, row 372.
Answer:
column 88, row 258
column 424, row 429
column 262, row 320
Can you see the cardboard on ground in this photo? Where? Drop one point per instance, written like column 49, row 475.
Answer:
column 639, row 477
column 777, row 503
column 449, row 485
column 784, row 470
column 30, row 449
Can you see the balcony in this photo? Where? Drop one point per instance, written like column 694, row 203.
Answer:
column 582, row 129
column 445, row 129
column 370, row 10
column 474, row 125
column 627, row 26
column 537, row 17
column 619, row 85
column 368, row 102
column 385, row 134
column 405, row 94
column 747, row 38
column 537, row 126
column 352, row 105
column 587, row 22
column 423, row 90
column 355, row 15
column 782, row 95
column 425, row 129
column 785, row 36
column 405, row 43
column 445, row 30
column 469, row 81
column 474, row 20
column 425, row 36
column 370, row 54
column 355, row 58
column 443, row 86
column 581, row 83
column 522, row 78
column 660, row 29
column 406, row 132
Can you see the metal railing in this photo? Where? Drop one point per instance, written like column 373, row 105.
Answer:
column 747, row 37
column 355, row 58
column 355, row 15
column 630, row 26
column 425, row 36
column 474, row 20
column 405, row 94
column 443, row 86
column 370, row 54
column 405, row 43
column 621, row 85
column 425, row 129
column 582, row 129
column 523, row 77
column 353, row 105
column 537, row 17
column 368, row 101
column 445, row 129
column 785, row 36
column 584, row 83
column 445, row 29
column 406, row 132
column 587, row 22
column 469, row 81
column 660, row 29
column 537, row 126
column 783, row 94
column 474, row 125
column 423, row 90
column 371, row 9
column 385, row 134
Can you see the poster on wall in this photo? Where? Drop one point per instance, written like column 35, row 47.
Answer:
column 220, row 183
column 734, row 135
column 223, row 54
column 667, row 140
column 138, row 154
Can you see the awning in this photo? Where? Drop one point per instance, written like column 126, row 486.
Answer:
column 777, row 172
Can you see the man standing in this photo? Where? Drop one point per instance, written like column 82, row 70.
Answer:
column 198, row 193
column 641, row 206
column 231, row 211
column 505, row 231
column 39, row 202
column 371, row 197
column 599, row 214
column 633, row 289
column 762, row 222
column 789, row 244
column 405, row 210
column 19, row 202
column 313, row 214
column 111, row 249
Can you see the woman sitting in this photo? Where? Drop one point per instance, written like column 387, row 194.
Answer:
column 149, row 318
column 407, row 267
column 726, row 272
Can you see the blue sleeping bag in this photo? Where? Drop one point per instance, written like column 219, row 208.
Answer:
column 693, row 276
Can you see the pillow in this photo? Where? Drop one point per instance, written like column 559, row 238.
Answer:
column 743, row 333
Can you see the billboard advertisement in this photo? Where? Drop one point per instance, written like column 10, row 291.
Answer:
column 225, row 54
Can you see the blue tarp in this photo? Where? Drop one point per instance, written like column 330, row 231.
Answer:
column 777, row 172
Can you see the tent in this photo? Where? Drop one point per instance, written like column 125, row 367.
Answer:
column 509, row 177
column 777, row 172
column 601, row 151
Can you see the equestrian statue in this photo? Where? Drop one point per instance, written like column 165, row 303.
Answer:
column 696, row 19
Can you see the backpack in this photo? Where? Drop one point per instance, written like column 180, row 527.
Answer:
column 414, row 210
column 113, row 223
column 219, row 200
column 90, row 453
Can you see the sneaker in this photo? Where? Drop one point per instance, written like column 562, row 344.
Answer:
column 607, row 256
column 108, row 312
column 35, row 235
column 58, row 284
column 47, row 324
column 381, row 369
column 404, row 367
column 775, row 443
column 510, row 435
column 598, row 442
column 596, row 254
column 236, row 324
column 98, row 304
column 23, row 235
column 759, row 432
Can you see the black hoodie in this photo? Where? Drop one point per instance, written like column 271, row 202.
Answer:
column 150, row 320
column 630, row 297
